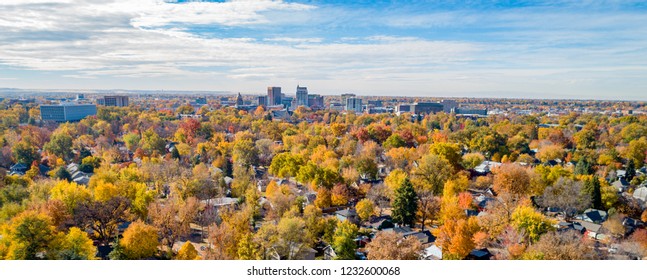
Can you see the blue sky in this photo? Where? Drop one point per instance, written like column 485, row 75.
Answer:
column 537, row 49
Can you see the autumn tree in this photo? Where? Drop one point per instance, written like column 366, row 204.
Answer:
column 532, row 223
column 432, row 173
column 172, row 219
column 28, row 236
column 365, row 209
column 388, row 245
column 405, row 204
column 293, row 241
column 344, row 241
column 76, row 245
column 511, row 178
column 60, row 144
column 455, row 237
column 566, row 195
column 102, row 217
column 25, row 153
column 187, row 252
column 567, row 245
column 140, row 241
column 340, row 195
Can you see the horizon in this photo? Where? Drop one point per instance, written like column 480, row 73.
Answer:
column 553, row 50
column 118, row 91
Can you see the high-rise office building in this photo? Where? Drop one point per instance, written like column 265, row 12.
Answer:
column 262, row 100
column 346, row 96
column 274, row 96
column 67, row 112
column 114, row 100
column 315, row 101
column 302, row 96
column 354, row 104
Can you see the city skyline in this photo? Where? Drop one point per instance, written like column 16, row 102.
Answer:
column 550, row 49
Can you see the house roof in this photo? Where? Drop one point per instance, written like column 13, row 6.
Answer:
column 593, row 215
column 481, row 254
column 589, row 226
column 19, row 167
column 346, row 213
column 641, row 193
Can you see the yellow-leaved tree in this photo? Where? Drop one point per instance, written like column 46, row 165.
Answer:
column 140, row 241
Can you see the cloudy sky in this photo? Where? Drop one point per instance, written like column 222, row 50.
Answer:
column 489, row 48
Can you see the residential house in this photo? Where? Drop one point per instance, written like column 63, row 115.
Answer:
column 347, row 215
column 593, row 216
column 641, row 194
column 621, row 185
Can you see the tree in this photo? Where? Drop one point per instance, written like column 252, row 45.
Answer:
column 511, row 178
column 77, row 246
column 583, row 167
column 566, row 195
column 247, row 249
column 102, row 217
column 432, row 173
column 175, row 153
column 71, row 194
column 340, row 195
column 285, row 165
column 343, row 241
column 455, row 237
column 152, row 142
column 314, row 221
column 187, row 252
column 140, row 241
column 450, row 151
column 323, row 199
column 394, row 141
column 388, row 245
column 367, row 167
column 630, row 170
column 592, row 188
column 25, row 153
column 63, row 174
column 550, row 152
column 567, row 245
column 637, row 151
column 428, row 206
column 614, row 225
column 405, row 204
column 29, row 236
column 293, row 240
column 365, row 209
column 60, row 144
column 531, row 222
column 394, row 180
column 472, row 160
column 172, row 218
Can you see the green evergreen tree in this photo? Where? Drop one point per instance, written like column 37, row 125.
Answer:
column 630, row 170
column 405, row 204
column 583, row 167
column 62, row 173
column 592, row 188
column 175, row 153
column 117, row 252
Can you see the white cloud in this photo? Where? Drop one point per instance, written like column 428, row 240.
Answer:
column 151, row 40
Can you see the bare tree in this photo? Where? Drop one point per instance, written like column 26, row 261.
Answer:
column 567, row 196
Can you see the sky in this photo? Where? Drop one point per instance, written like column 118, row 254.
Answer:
column 512, row 49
